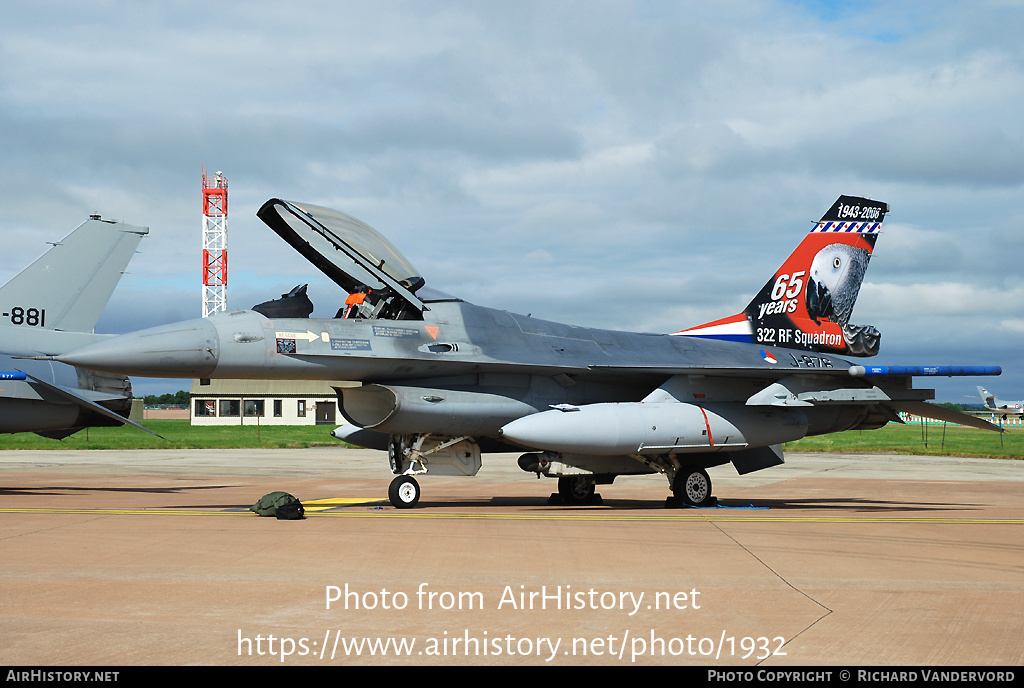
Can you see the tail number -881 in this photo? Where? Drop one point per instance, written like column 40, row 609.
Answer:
column 33, row 317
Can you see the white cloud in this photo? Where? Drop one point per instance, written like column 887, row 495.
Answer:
column 634, row 143
column 939, row 299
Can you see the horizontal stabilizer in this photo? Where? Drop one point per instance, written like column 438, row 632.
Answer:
column 926, row 410
column 91, row 405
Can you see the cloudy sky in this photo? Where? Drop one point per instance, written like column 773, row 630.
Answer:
column 629, row 165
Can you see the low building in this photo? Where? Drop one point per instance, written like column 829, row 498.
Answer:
column 266, row 402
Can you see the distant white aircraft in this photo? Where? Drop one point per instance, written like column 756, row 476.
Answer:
column 1003, row 408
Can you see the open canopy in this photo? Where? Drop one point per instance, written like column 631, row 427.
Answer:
column 351, row 253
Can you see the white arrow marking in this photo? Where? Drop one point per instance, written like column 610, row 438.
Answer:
column 308, row 336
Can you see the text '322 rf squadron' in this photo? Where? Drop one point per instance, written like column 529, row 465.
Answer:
column 444, row 380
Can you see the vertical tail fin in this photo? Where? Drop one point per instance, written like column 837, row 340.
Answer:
column 69, row 286
column 807, row 303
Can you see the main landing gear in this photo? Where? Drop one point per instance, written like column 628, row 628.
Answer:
column 576, row 490
column 691, row 487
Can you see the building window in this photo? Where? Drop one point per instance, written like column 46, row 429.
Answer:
column 229, row 407
column 206, row 408
column 302, row 408
column 278, row 408
column 252, row 408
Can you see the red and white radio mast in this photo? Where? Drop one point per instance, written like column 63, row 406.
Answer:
column 215, row 243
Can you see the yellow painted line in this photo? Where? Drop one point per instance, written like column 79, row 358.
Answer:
column 423, row 514
column 645, row 518
column 126, row 512
column 316, row 505
column 339, row 501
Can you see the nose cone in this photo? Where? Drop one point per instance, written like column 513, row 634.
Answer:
column 186, row 349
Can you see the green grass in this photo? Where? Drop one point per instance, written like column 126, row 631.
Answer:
column 898, row 439
column 180, row 434
column 909, row 439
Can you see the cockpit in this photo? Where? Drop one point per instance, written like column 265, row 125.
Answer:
column 381, row 282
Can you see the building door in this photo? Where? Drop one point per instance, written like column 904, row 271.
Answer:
column 325, row 411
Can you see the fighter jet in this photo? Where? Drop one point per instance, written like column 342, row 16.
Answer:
column 1001, row 408
column 52, row 307
column 444, row 380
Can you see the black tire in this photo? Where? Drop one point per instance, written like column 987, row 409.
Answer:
column 576, row 489
column 404, row 492
column 693, row 486
column 396, row 454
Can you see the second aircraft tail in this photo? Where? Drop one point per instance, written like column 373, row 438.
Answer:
column 68, row 287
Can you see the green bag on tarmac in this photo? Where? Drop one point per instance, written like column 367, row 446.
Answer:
column 280, row 504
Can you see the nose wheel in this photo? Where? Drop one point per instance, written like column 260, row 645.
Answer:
column 404, row 492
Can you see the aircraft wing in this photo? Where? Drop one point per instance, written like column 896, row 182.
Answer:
column 887, row 387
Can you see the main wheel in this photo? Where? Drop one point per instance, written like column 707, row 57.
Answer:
column 693, row 486
column 576, row 489
column 404, row 492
